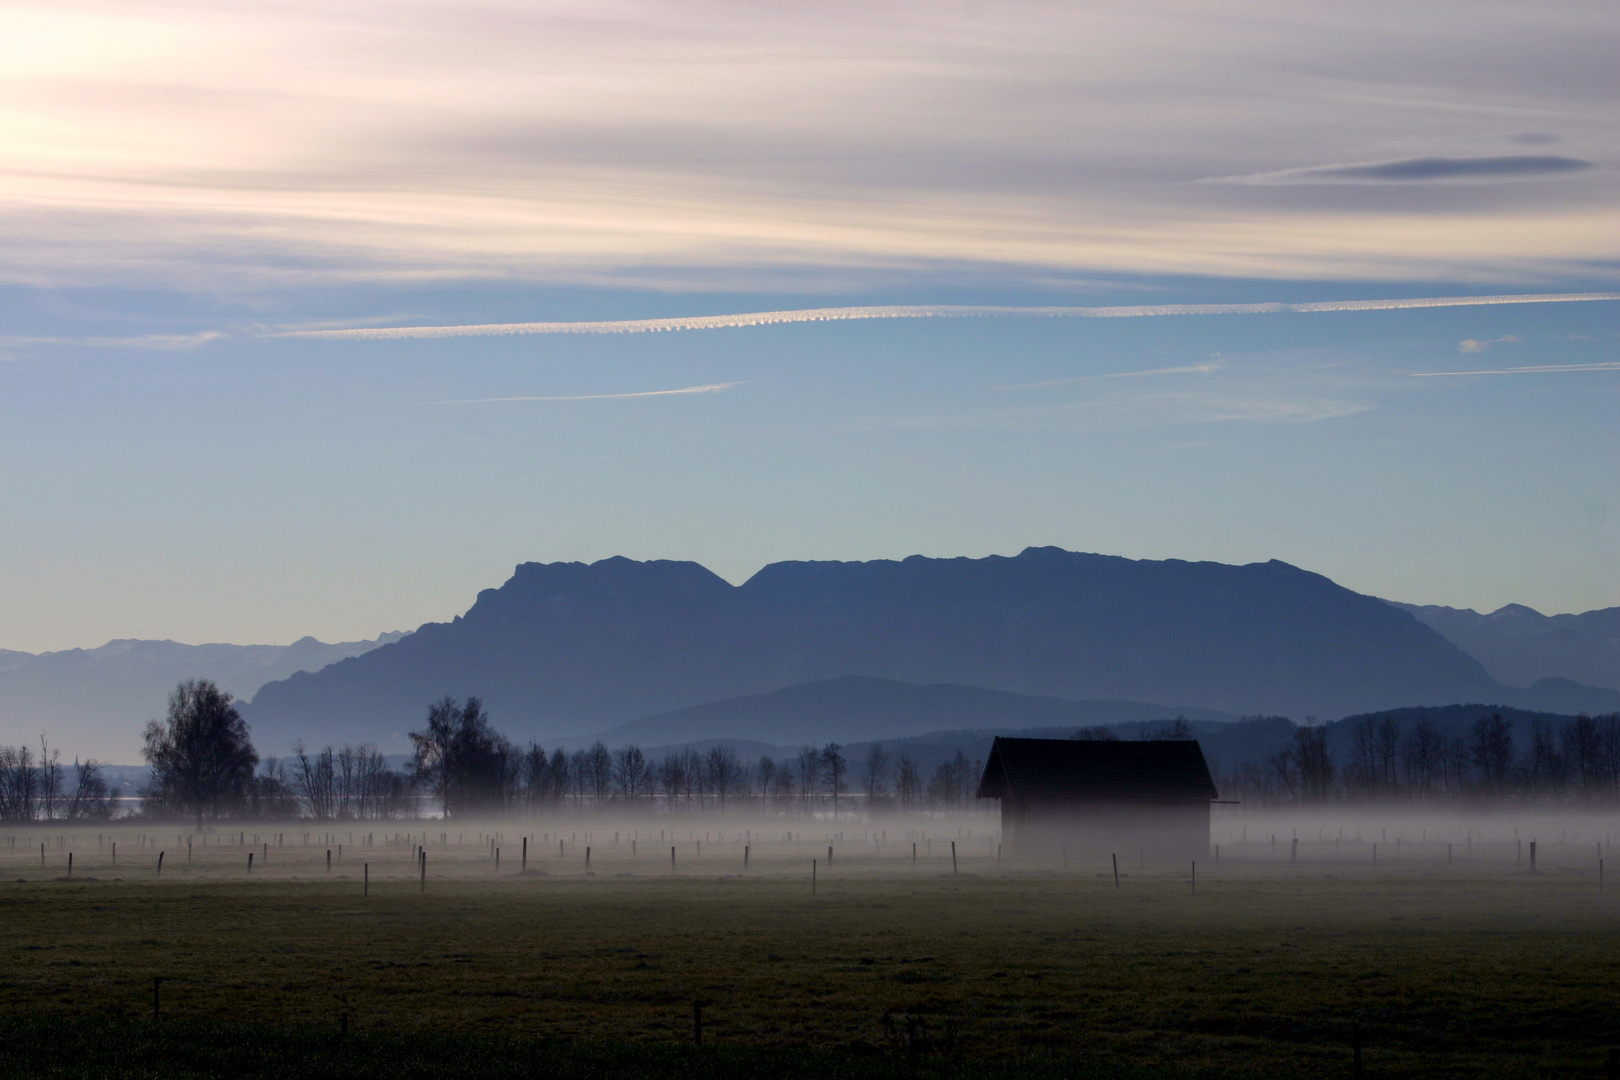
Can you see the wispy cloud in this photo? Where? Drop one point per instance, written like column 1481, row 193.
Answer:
column 1474, row 345
column 1418, row 170
column 930, row 311
column 159, row 342
column 154, row 141
column 710, row 388
column 1538, row 369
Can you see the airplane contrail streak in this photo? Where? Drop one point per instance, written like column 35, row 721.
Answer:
column 926, row 311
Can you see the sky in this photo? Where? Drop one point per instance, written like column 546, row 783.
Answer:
column 1090, row 270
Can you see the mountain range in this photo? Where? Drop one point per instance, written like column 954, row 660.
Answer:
column 1520, row 646
column 666, row 652
column 79, row 697
column 564, row 648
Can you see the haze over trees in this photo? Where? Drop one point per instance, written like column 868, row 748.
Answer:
column 1386, row 758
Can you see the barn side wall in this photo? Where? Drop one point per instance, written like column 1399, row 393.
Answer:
column 1039, row 829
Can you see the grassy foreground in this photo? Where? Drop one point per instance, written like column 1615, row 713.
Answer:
column 1264, row 971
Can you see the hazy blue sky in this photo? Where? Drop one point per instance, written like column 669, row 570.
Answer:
column 183, row 184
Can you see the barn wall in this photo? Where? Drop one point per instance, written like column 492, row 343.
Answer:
column 1095, row 830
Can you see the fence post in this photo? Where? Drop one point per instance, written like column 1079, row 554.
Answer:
column 1115, row 857
column 953, row 856
column 422, row 866
column 812, row 877
column 159, row 869
column 524, row 862
column 365, row 879
column 1532, row 856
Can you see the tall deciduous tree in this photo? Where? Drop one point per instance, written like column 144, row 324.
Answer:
column 201, row 756
column 466, row 763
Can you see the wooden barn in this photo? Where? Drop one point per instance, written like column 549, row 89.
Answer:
column 1097, row 798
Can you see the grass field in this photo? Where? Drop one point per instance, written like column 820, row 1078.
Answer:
column 1477, row 967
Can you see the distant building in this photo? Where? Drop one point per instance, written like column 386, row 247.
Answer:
column 1097, row 798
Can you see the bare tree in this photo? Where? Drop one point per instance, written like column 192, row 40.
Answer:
column 19, row 784
column 1095, row 734
column 765, row 771
column 201, row 756
column 631, row 776
column 92, row 799
column 1490, row 750
column 951, row 783
column 465, row 762
column 808, row 767
column 1545, row 769
column 1423, row 758
column 725, row 772
column 1313, row 762
column 877, row 771
column 672, row 777
column 833, row 768
column 315, row 779
column 907, row 782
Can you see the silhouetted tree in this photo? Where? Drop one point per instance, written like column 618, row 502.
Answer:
column 92, row 799
column 201, row 756
column 1490, row 749
column 1095, row 734
column 765, row 773
column 726, row 774
column 907, row 782
column 19, row 784
column 466, row 763
column 631, row 776
column 833, row 767
column 807, row 766
column 877, row 771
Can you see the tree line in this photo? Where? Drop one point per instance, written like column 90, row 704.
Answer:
column 203, row 766
column 1577, row 762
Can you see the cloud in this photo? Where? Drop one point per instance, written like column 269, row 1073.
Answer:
column 710, row 388
column 1419, row 170
column 928, row 311
column 229, row 145
column 1538, row 369
column 1471, row 345
column 159, row 342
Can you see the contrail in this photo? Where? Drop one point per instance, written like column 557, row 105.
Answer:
column 711, row 388
column 1607, row 365
column 926, row 311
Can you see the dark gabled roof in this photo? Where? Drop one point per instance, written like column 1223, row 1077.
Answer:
column 1168, row 770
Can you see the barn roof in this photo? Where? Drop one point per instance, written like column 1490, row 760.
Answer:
column 1158, row 770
